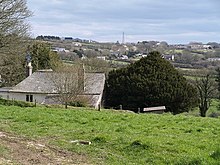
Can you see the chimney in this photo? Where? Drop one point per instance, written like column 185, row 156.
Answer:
column 28, row 65
column 81, row 77
column 29, row 69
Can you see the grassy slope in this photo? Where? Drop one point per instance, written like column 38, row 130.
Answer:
column 120, row 138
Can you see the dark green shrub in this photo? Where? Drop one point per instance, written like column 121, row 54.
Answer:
column 16, row 103
column 216, row 154
column 99, row 139
column 151, row 81
column 214, row 114
column 195, row 161
column 138, row 145
column 78, row 104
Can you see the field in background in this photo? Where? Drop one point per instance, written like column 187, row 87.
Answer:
column 116, row 137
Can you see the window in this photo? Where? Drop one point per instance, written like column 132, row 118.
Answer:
column 29, row 98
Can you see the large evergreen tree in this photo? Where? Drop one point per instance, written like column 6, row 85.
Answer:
column 151, row 81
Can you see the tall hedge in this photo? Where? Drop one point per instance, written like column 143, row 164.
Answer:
column 151, row 81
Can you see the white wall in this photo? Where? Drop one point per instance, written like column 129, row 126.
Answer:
column 22, row 96
column 4, row 95
column 95, row 100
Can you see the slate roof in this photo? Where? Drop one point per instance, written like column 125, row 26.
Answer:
column 40, row 82
column 5, row 89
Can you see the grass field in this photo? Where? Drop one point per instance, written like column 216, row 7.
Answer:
column 117, row 137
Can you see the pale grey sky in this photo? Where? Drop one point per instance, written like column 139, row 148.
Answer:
column 173, row 21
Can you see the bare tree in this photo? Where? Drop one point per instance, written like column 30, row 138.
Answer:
column 97, row 65
column 13, row 26
column 13, row 38
column 69, row 83
column 206, row 87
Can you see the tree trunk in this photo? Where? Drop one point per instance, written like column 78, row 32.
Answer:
column 203, row 111
column 65, row 105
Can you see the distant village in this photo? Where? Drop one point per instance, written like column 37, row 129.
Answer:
column 191, row 55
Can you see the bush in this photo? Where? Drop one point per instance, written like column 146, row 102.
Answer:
column 74, row 104
column 78, row 104
column 189, row 161
column 81, row 101
column 216, row 154
column 99, row 139
column 214, row 114
column 138, row 145
column 16, row 103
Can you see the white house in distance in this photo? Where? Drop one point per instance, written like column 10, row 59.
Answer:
column 39, row 87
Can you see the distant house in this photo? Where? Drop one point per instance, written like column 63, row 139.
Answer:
column 77, row 44
column 140, row 55
column 199, row 46
column 39, row 87
column 180, row 46
column 158, row 110
column 169, row 57
column 123, row 57
column 213, row 59
column 101, row 57
column 57, row 49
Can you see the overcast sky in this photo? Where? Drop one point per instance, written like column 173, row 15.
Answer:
column 173, row 21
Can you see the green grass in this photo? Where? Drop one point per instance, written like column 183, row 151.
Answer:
column 3, row 150
column 120, row 138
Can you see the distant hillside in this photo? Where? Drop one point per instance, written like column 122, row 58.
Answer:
column 191, row 55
